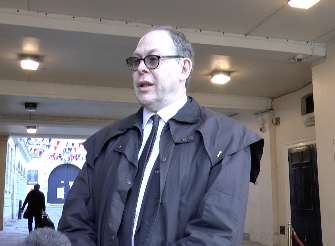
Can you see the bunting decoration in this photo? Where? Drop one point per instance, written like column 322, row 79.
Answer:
column 53, row 149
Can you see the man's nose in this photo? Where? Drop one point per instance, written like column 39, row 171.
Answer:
column 142, row 67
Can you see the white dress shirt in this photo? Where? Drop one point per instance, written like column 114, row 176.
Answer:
column 165, row 114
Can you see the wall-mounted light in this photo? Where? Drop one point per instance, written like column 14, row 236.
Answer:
column 302, row 4
column 29, row 62
column 31, row 129
column 220, row 77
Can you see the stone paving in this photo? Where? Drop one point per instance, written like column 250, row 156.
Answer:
column 249, row 243
column 16, row 230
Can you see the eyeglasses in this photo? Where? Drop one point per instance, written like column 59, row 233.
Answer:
column 151, row 61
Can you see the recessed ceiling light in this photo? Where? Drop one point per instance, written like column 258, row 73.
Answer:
column 302, row 4
column 29, row 62
column 31, row 129
column 220, row 77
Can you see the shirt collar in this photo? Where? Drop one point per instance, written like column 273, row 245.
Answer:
column 165, row 113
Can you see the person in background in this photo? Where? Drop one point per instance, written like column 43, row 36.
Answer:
column 36, row 206
column 174, row 173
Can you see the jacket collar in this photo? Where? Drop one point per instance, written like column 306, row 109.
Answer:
column 134, row 120
column 181, row 124
column 185, row 122
column 189, row 114
column 98, row 141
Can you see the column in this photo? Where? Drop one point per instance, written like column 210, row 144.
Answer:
column 3, row 153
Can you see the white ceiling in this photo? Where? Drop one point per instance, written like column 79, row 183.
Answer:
column 84, row 84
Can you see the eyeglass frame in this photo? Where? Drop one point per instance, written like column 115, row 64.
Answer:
column 144, row 60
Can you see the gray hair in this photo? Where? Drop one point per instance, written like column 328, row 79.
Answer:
column 183, row 46
column 45, row 237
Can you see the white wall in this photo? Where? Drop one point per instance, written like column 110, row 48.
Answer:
column 269, row 206
column 260, row 216
column 324, row 101
column 291, row 131
column 15, row 181
column 3, row 154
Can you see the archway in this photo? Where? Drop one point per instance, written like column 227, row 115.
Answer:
column 60, row 181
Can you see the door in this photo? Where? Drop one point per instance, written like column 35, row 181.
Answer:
column 60, row 182
column 304, row 194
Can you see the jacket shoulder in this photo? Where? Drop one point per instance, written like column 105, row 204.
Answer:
column 225, row 136
column 225, row 133
column 95, row 143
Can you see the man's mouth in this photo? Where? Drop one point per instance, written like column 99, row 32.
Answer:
column 144, row 84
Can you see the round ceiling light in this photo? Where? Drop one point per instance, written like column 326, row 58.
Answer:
column 31, row 129
column 220, row 77
column 29, row 62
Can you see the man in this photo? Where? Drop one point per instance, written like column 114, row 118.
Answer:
column 36, row 206
column 174, row 173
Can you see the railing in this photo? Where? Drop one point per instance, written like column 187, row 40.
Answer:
column 291, row 234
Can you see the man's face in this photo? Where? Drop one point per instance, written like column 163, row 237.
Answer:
column 162, row 86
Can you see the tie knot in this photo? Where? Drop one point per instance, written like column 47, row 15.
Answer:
column 155, row 120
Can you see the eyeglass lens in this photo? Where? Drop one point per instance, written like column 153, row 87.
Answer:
column 151, row 61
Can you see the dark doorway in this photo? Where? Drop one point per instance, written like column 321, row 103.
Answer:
column 60, row 182
column 304, row 194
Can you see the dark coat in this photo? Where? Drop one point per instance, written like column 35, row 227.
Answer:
column 205, row 169
column 36, row 203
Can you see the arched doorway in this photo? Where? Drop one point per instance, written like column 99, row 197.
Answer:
column 60, row 181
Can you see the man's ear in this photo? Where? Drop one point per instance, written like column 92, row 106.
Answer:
column 186, row 68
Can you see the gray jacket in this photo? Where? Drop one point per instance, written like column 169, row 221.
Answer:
column 206, row 163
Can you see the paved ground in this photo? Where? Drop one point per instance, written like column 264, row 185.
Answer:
column 249, row 243
column 15, row 231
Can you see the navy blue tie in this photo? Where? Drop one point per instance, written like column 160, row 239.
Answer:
column 146, row 152
column 127, row 224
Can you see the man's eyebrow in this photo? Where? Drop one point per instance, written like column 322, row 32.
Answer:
column 149, row 52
